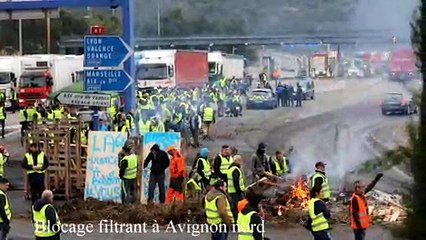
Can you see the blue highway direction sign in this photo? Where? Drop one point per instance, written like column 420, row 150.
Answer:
column 106, row 80
column 105, row 51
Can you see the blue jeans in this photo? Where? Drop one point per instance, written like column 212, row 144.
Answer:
column 220, row 236
column 154, row 180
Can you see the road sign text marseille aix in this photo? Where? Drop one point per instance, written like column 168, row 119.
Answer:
column 106, row 80
column 105, row 51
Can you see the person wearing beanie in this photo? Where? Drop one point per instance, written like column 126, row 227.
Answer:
column 203, row 168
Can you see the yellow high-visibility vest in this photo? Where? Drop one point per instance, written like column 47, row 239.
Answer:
column 231, row 187
column 319, row 222
column 41, row 225
column 245, row 231
column 30, row 162
column 212, row 213
column 225, row 163
column 132, row 166
column 7, row 209
column 324, row 187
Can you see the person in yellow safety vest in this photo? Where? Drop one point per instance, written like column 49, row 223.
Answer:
column 84, row 135
column 2, row 96
column 128, row 175
column 221, row 163
column 213, row 97
column 5, row 209
column 13, row 98
column 218, row 210
column 144, row 124
column 57, row 112
column 47, row 223
column 50, row 115
column 236, row 184
column 4, row 158
column 2, row 118
column 203, row 169
column 112, row 110
column 250, row 222
column 35, row 163
column 122, row 124
column 72, row 116
column 320, row 180
column 130, row 121
column 318, row 215
column 157, row 125
column 279, row 164
column 209, row 117
column 223, row 82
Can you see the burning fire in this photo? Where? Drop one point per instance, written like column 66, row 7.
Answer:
column 298, row 197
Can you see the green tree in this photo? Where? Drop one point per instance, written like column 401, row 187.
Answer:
column 416, row 220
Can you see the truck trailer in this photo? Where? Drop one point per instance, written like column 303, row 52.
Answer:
column 172, row 68
column 222, row 65
column 44, row 74
column 402, row 64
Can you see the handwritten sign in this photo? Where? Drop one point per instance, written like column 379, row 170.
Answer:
column 164, row 140
column 102, row 179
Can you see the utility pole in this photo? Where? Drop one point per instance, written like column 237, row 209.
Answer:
column 21, row 50
column 158, row 19
column 47, row 15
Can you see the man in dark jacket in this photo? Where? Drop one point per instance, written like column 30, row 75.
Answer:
column 249, row 219
column 280, row 95
column 222, row 162
column 285, row 95
column 159, row 163
column 290, row 96
column 299, row 96
column 260, row 161
column 45, row 218
column 35, row 163
column 236, row 184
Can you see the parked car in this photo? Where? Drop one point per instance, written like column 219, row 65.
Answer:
column 398, row 103
column 262, row 98
column 308, row 87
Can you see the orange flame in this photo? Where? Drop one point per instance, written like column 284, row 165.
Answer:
column 299, row 195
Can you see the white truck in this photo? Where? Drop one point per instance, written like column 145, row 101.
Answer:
column 44, row 74
column 172, row 68
column 222, row 65
column 10, row 70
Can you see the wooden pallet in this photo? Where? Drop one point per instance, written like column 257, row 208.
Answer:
column 67, row 161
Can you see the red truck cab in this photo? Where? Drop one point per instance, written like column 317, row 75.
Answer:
column 34, row 86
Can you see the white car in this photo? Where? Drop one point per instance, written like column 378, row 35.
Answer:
column 355, row 72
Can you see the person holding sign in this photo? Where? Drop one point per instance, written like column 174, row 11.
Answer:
column 128, row 176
